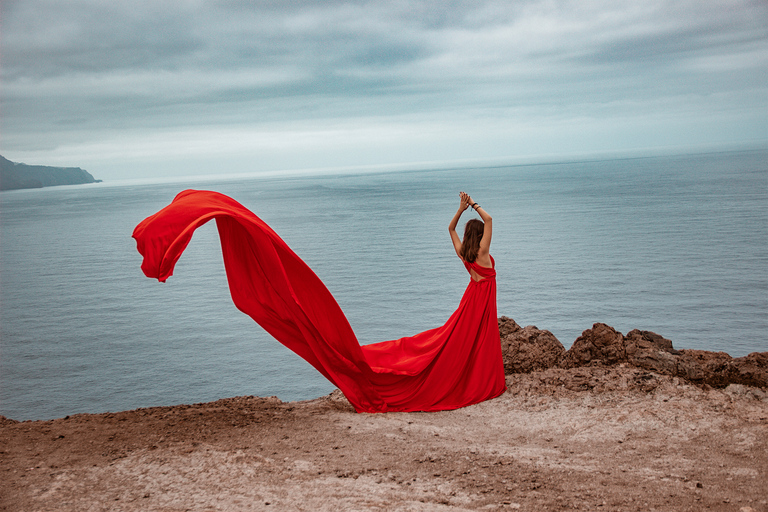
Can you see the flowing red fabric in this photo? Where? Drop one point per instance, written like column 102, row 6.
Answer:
column 452, row 366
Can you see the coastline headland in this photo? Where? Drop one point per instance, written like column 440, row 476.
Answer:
column 617, row 422
column 14, row 176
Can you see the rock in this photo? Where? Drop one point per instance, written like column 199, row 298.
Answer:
column 718, row 369
column 528, row 349
column 6, row 421
column 704, row 366
column 650, row 351
column 507, row 326
column 579, row 380
column 752, row 369
column 601, row 344
column 599, row 379
column 649, row 340
column 531, row 349
column 747, row 391
column 690, row 369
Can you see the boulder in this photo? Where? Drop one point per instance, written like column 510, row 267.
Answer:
column 650, row 351
column 718, row 369
column 647, row 340
column 752, row 369
column 528, row 349
column 602, row 344
column 507, row 326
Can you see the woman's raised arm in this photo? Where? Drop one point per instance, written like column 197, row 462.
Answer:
column 463, row 205
column 485, row 242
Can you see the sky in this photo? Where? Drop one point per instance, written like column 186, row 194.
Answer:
column 183, row 87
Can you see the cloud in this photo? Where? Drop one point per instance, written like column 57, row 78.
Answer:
column 83, row 74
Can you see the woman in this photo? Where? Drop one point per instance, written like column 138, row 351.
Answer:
column 477, row 236
column 451, row 366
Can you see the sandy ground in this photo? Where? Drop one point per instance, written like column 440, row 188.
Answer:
column 585, row 439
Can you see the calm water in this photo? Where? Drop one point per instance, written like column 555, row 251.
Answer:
column 676, row 245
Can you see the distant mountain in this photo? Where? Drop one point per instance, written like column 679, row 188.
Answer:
column 14, row 176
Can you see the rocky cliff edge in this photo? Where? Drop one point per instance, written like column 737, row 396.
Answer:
column 529, row 349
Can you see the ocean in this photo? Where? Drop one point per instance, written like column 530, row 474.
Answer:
column 673, row 244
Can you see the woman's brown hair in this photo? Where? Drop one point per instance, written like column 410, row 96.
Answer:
column 470, row 245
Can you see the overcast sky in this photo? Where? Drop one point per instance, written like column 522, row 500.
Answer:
column 149, row 88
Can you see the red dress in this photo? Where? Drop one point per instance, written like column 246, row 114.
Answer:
column 452, row 366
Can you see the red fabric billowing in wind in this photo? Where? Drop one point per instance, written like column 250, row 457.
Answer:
column 452, row 366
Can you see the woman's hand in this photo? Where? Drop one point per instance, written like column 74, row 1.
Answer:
column 466, row 201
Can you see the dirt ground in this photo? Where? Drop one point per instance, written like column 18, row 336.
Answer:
column 584, row 439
